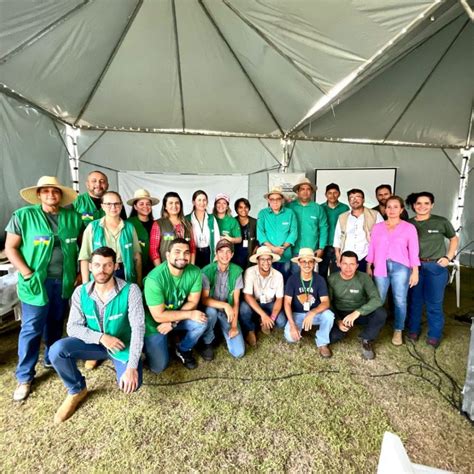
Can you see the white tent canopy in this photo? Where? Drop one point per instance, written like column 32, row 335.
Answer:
column 216, row 86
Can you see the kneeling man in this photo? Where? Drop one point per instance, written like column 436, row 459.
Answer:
column 263, row 295
column 307, row 303
column 355, row 300
column 106, row 321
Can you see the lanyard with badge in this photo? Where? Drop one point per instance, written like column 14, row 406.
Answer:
column 245, row 236
column 263, row 296
column 202, row 241
column 306, row 290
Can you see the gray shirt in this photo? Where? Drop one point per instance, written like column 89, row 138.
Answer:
column 77, row 325
column 221, row 290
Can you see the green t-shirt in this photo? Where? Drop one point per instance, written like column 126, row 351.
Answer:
column 357, row 294
column 55, row 267
column 161, row 287
column 432, row 234
column 333, row 215
column 229, row 226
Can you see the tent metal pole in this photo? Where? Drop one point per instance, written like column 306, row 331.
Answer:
column 73, row 151
column 178, row 61
column 287, row 147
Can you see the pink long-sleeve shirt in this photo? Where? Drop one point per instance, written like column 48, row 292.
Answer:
column 399, row 245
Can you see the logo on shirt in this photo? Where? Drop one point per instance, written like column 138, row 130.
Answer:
column 128, row 245
column 285, row 223
column 312, row 217
column 87, row 216
column 142, row 242
column 71, row 240
column 115, row 316
column 41, row 240
column 353, row 291
column 433, row 231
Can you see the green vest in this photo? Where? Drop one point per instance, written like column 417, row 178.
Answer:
column 85, row 207
column 211, row 272
column 143, row 239
column 116, row 321
column 210, row 224
column 168, row 234
column 37, row 248
column 126, row 246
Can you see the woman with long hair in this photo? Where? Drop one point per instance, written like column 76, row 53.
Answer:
column 248, row 229
column 171, row 225
column 205, row 229
column 433, row 231
column 141, row 216
column 393, row 254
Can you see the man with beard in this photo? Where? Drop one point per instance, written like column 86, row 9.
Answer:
column 172, row 293
column 382, row 193
column 353, row 228
column 106, row 322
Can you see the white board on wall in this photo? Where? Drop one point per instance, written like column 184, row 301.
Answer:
column 236, row 186
column 366, row 179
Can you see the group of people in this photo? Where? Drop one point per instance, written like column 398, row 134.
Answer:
column 298, row 265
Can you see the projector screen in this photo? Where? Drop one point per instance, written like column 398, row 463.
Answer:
column 366, row 179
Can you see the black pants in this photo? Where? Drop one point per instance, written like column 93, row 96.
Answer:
column 328, row 263
column 372, row 322
column 203, row 257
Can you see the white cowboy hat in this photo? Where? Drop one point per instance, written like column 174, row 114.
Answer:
column 143, row 194
column 264, row 251
column 304, row 181
column 274, row 190
column 31, row 194
column 306, row 253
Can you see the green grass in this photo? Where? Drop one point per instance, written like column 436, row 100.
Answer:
column 279, row 409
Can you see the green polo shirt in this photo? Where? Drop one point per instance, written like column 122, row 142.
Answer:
column 312, row 226
column 229, row 226
column 333, row 215
column 278, row 229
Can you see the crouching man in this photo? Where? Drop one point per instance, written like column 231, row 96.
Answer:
column 355, row 300
column 263, row 295
column 307, row 303
column 106, row 321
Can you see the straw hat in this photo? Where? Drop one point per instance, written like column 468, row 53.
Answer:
column 274, row 190
column 264, row 251
column 306, row 253
column 303, row 181
column 143, row 194
column 31, row 194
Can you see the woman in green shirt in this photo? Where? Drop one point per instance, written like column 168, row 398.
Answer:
column 141, row 216
column 228, row 226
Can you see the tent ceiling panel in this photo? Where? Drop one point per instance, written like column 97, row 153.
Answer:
column 372, row 111
column 182, row 153
column 285, row 89
column 442, row 111
column 330, row 41
column 22, row 21
column 141, row 86
column 217, row 93
column 60, row 70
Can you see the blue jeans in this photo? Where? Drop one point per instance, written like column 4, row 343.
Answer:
column 247, row 316
column 40, row 321
column 324, row 320
column 66, row 352
column 235, row 345
column 398, row 277
column 430, row 292
column 284, row 268
column 156, row 345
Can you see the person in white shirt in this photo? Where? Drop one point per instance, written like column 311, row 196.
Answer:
column 353, row 228
column 263, row 296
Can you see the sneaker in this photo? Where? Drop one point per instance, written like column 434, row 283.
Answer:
column 432, row 341
column 47, row 364
column 207, row 352
column 367, row 350
column 413, row 336
column 325, row 352
column 266, row 331
column 251, row 339
column 69, row 406
column 397, row 339
column 22, row 391
column 187, row 358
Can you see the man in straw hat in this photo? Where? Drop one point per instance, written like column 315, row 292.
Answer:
column 311, row 219
column 42, row 245
column 263, row 295
column 307, row 303
column 277, row 229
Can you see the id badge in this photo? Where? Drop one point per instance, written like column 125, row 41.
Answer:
column 263, row 299
column 202, row 239
column 245, row 243
column 306, row 306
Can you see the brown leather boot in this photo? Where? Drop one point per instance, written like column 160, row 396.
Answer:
column 251, row 338
column 325, row 352
column 397, row 339
column 68, row 407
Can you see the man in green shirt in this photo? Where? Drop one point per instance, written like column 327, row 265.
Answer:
column 355, row 300
column 172, row 293
column 278, row 230
column 333, row 209
column 311, row 220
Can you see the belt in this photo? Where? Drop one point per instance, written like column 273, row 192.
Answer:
column 429, row 259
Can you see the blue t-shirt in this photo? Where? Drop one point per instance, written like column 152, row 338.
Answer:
column 305, row 291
